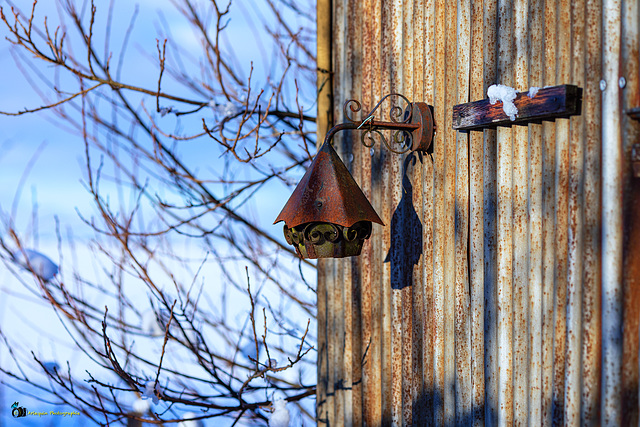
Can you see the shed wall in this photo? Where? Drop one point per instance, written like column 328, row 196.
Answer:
column 496, row 293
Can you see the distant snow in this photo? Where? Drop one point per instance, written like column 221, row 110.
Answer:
column 249, row 350
column 227, row 109
column 151, row 325
column 141, row 407
column 188, row 422
column 150, row 392
column 192, row 336
column 165, row 110
column 51, row 367
column 36, row 263
column 505, row 94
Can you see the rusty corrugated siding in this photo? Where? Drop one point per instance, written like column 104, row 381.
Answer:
column 494, row 295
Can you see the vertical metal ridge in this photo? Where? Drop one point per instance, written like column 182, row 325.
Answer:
column 521, row 251
column 324, row 84
column 575, row 240
column 385, row 297
column 476, row 223
column 336, row 391
column 323, row 359
column 438, row 233
column 331, row 343
column 412, row 226
column 397, row 242
column 504, row 279
column 428, row 342
column 374, row 407
column 563, row 73
column 611, row 218
column 409, row 225
column 548, row 221
column 418, row 230
column 535, row 236
column 490, row 209
column 450, row 82
column 429, row 224
column 462, row 324
column 380, row 270
column 337, row 341
column 591, row 297
column 369, row 356
column 352, row 294
column 385, row 76
column 505, row 224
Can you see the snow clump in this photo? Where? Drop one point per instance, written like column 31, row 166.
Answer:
column 280, row 416
column 505, row 94
column 36, row 263
column 533, row 91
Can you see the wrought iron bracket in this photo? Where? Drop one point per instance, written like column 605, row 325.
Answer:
column 413, row 125
column 328, row 215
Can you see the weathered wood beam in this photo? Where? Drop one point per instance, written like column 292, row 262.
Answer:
column 549, row 104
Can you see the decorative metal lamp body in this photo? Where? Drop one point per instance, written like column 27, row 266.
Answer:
column 327, row 216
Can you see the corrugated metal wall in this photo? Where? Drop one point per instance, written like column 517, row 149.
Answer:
column 491, row 295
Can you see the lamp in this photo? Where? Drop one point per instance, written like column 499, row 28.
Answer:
column 328, row 215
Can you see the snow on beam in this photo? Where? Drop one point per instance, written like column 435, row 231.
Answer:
column 548, row 103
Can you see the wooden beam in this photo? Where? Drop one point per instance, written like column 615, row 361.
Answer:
column 549, row 104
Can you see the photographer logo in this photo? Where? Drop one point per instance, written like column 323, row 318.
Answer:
column 18, row 411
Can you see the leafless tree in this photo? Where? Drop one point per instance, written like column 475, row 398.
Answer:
column 176, row 166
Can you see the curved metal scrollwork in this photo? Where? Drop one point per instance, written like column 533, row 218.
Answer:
column 324, row 239
column 396, row 113
column 372, row 128
column 412, row 126
column 400, row 137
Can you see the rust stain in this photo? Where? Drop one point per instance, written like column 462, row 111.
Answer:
column 573, row 363
column 476, row 223
column 504, row 254
column 630, row 378
column 521, row 221
column 535, row 198
column 563, row 73
column 327, row 193
column 548, row 222
column 501, row 321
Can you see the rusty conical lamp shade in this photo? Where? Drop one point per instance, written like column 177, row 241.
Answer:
column 327, row 216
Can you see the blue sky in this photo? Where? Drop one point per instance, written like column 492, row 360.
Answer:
column 54, row 159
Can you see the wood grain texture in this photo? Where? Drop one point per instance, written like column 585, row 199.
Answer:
column 549, row 104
